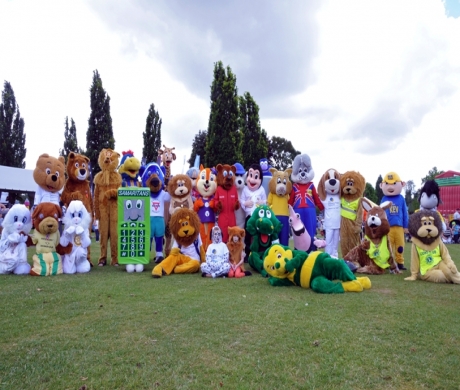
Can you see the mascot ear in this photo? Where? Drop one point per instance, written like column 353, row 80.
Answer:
column 367, row 205
column 321, row 187
column 386, row 205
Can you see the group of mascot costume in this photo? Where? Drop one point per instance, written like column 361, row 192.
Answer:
column 153, row 179
column 397, row 213
column 107, row 182
column 280, row 188
column 304, row 198
column 373, row 256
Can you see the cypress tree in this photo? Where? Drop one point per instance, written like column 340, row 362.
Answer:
column 152, row 136
column 12, row 137
column 198, row 147
column 255, row 139
column 224, row 141
column 70, row 139
column 100, row 133
column 378, row 190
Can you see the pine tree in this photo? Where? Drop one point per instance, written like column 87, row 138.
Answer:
column 70, row 139
column 255, row 139
column 198, row 147
column 12, row 137
column 369, row 193
column 100, row 133
column 152, row 136
column 224, row 141
column 281, row 153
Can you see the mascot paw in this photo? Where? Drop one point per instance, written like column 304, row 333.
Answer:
column 79, row 230
column 411, row 278
column 14, row 237
column 352, row 286
column 175, row 251
column 70, row 230
column 365, row 245
column 365, row 282
column 23, row 237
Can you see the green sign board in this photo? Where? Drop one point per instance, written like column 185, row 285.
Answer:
column 133, row 225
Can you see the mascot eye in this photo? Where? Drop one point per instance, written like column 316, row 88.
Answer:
column 202, row 177
column 15, row 218
column 129, row 205
column 269, row 214
column 83, row 165
column 284, row 181
column 256, row 176
column 278, row 255
column 272, row 268
column 230, row 174
column 80, row 214
column 297, row 215
column 225, row 173
column 261, row 213
column 185, row 223
column 57, row 174
column 24, row 220
column 77, row 165
column 48, row 171
column 278, row 181
column 138, row 204
column 350, row 183
column 211, row 178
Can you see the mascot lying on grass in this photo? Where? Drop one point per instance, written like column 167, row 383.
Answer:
column 315, row 270
column 76, row 232
column 430, row 259
column 264, row 228
column 13, row 244
column 187, row 251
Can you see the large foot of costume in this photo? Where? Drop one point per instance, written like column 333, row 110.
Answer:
column 401, row 267
column 158, row 272
column 365, row 282
column 102, row 262
column 352, row 286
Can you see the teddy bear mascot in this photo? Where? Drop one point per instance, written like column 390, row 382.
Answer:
column 187, row 251
column 240, row 183
column 352, row 185
column 180, row 190
column 129, row 170
column 235, row 247
column 77, row 185
column 13, row 243
column 264, row 228
column 373, row 256
column 153, row 178
column 398, row 215
column 226, row 198
column 253, row 195
column 107, row 182
column 47, row 260
column 430, row 259
column 49, row 174
column 204, row 204
column 77, row 222
column 329, row 194
column 429, row 199
column 217, row 256
column 304, row 197
column 315, row 270
column 280, row 188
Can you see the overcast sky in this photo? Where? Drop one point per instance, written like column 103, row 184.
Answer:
column 372, row 86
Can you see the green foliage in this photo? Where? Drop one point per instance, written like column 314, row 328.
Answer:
column 100, row 132
column 70, row 139
column 255, row 140
column 198, row 147
column 369, row 193
column 281, row 153
column 224, row 139
column 12, row 137
column 152, row 136
column 378, row 190
column 432, row 173
column 111, row 330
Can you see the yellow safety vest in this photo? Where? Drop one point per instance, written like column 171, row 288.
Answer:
column 379, row 254
column 348, row 209
column 428, row 259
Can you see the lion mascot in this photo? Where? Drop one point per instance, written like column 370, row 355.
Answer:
column 187, row 252
column 107, row 183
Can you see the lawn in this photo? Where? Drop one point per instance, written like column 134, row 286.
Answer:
column 112, row 330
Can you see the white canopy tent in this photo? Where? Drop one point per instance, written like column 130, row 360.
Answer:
column 17, row 179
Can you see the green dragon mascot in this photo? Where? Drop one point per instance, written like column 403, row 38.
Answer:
column 316, row 270
column 264, row 228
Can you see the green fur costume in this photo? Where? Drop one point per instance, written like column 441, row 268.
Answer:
column 264, row 227
column 315, row 270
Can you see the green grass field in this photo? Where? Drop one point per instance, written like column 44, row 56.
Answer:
column 112, row 330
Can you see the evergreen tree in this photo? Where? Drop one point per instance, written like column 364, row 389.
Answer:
column 281, row 153
column 70, row 139
column 378, row 190
column 432, row 173
column 198, row 147
column 369, row 193
column 223, row 143
column 255, row 139
column 100, row 133
column 12, row 137
column 152, row 136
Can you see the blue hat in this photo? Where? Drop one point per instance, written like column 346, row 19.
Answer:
column 239, row 169
column 150, row 169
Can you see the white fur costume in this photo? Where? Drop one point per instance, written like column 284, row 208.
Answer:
column 13, row 249
column 76, row 232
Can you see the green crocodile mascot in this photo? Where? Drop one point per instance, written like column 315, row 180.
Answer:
column 264, row 228
column 316, row 270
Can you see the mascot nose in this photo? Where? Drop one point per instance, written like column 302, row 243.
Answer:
column 155, row 182
column 82, row 171
column 54, row 178
column 332, row 182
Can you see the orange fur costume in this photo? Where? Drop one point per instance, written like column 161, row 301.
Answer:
column 107, row 183
column 235, row 247
column 352, row 184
